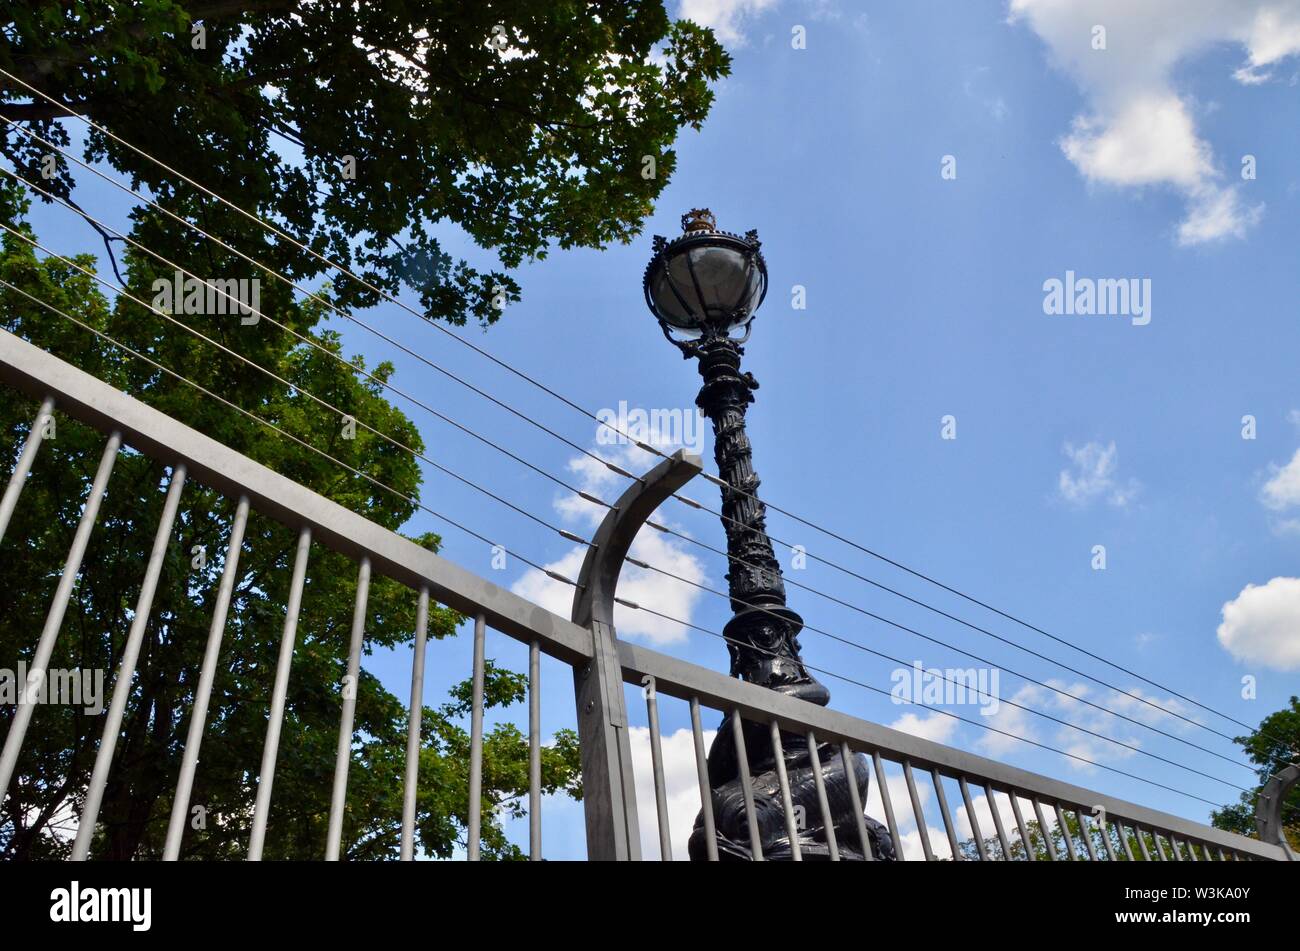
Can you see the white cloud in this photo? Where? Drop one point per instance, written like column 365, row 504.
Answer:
column 1140, row 128
column 937, row 727
column 681, row 788
column 1093, row 476
column 1261, row 625
column 1064, row 701
column 1014, row 723
column 1282, row 490
column 653, row 589
column 725, row 17
column 1151, row 140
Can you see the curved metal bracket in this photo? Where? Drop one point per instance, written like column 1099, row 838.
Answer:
column 593, row 599
column 608, row 786
column 1268, row 809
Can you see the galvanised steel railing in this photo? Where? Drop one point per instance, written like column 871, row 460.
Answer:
column 1036, row 817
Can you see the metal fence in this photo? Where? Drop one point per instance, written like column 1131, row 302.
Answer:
column 1030, row 816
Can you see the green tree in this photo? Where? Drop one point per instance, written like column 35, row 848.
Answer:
column 1273, row 747
column 360, row 129
column 48, row 790
column 526, row 123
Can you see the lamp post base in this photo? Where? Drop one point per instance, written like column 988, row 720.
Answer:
column 732, row 823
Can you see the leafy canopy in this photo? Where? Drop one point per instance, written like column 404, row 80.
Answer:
column 47, row 793
column 526, row 123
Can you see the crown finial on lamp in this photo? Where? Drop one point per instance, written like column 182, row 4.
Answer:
column 699, row 219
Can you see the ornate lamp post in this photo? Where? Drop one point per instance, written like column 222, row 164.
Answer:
column 705, row 287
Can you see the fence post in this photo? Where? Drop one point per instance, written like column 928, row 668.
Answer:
column 608, row 788
column 1268, row 809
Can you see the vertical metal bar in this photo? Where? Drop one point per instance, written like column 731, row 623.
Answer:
column 1044, row 831
column 858, row 813
column 18, row 478
column 1142, row 843
column 974, row 822
column 203, row 693
column 1222, row 857
column 828, row 820
column 351, row 684
column 1160, row 849
column 702, row 774
column 787, row 803
column 948, row 826
column 1065, row 833
column 1086, row 834
column 271, row 748
column 1178, row 853
column 54, row 619
column 126, row 670
column 1123, row 841
column 889, row 806
column 1030, row 853
column 917, row 811
column 657, row 770
column 742, row 759
column 475, row 832
column 413, row 722
column 1105, row 838
column 997, row 822
column 535, row 751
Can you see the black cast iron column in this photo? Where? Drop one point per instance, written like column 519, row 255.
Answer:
column 762, row 636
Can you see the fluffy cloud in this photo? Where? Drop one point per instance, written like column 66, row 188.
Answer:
column 1282, row 490
column 1261, row 625
column 681, row 788
column 1013, row 722
column 725, row 17
column 1140, row 130
column 937, row 727
column 1093, row 475
column 1281, row 493
column 638, row 585
column 1063, row 701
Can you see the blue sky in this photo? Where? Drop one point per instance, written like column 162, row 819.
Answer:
column 925, row 299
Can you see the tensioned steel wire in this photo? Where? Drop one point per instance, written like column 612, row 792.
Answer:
column 618, row 470
column 302, row 442
column 622, row 472
column 293, row 386
column 271, row 228
column 564, row 533
column 210, row 394
column 575, row 538
column 572, row 537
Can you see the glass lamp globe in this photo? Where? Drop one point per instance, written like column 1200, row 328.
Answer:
column 705, row 279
